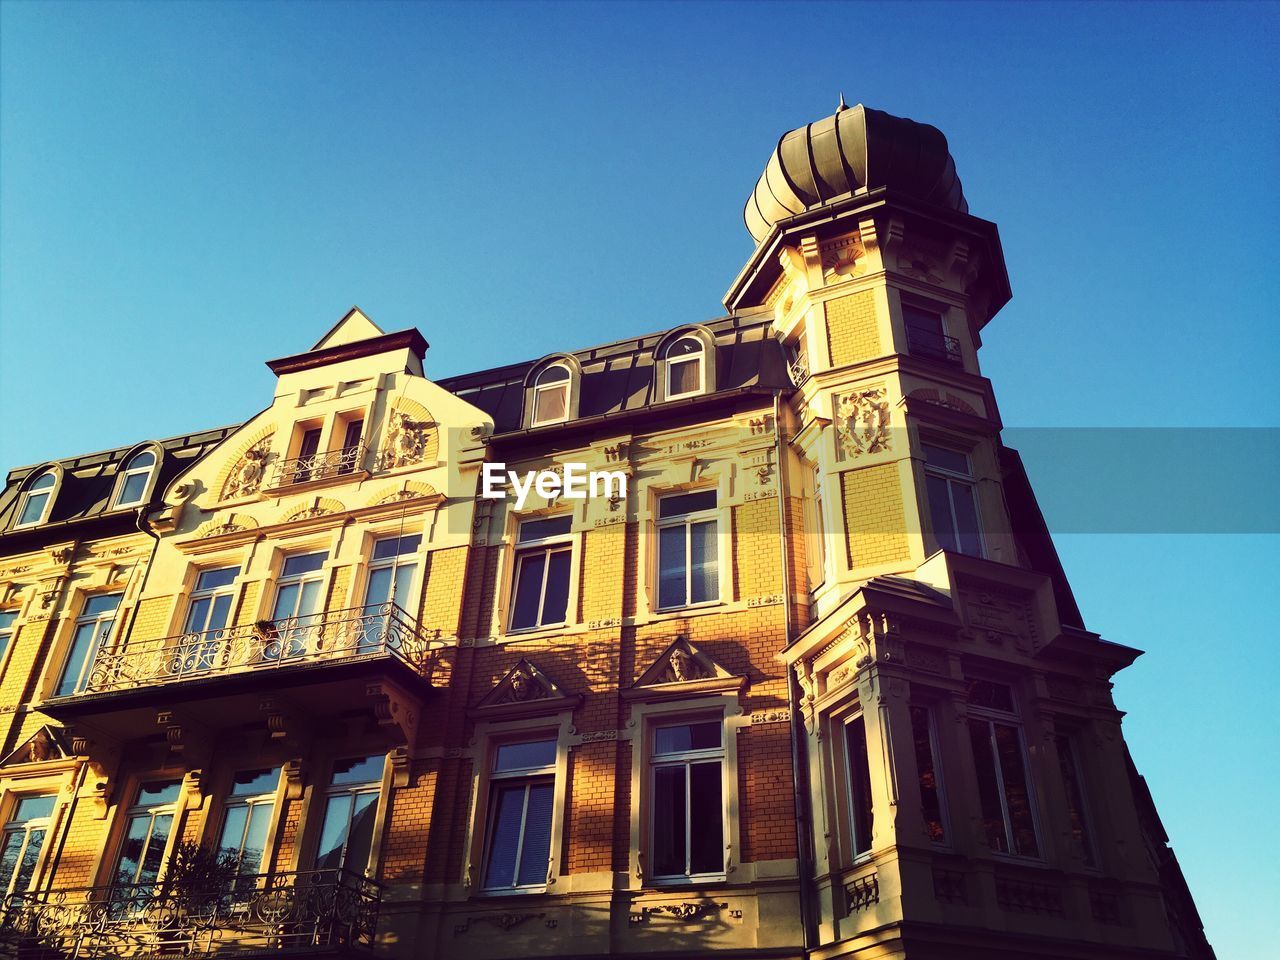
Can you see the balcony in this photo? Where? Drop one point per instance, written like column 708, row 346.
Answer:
column 319, row 469
column 934, row 346
column 222, row 677
column 318, row 913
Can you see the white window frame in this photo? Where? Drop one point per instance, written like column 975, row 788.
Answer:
column 12, row 826
column 530, row 776
column 951, row 477
column 668, row 362
column 168, row 808
column 687, row 759
column 395, row 563
column 332, row 790
column 565, row 384
column 50, row 494
column 7, row 633
column 716, row 513
column 542, row 546
column 100, row 637
column 991, row 716
column 127, row 471
column 818, row 535
column 845, row 722
column 250, row 801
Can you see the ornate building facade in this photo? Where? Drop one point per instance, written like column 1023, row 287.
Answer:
column 812, row 683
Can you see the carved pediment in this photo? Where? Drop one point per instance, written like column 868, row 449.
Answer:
column 45, row 744
column 684, row 668
column 524, row 689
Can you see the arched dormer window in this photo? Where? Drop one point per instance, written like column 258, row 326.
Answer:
column 686, row 365
column 551, row 392
column 136, row 478
column 37, row 499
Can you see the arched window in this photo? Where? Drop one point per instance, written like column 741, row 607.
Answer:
column 37, row 499
column 135, row 479
column 551, row 395
column 685, row 361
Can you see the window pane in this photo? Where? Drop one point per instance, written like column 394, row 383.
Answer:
column 253, row 783
column 406, row 572
column 131, row 850
column 333, row 832
column 82, row 650
column 930, row 792
column 952, row 460
column 685, row 346
column 988, row 786
column 544, row 527
column 33, row 508
column 7, row 619
column 396, row 546
column 361, row 840
column 10, row 853
column 679, row 504
column 159, row 792
column 535, row 852
column 1016, row 791
column 553, row 374
column 358, row 770
column 550, row 403
column 688, row 736
column 45, row 482
column 154, row 856
column 303, row 563
column 966, row 518
column 27, row 868
column 212, row 579
column 859, row 785
column 919, row 318
column 255, row 839
column 286, row 601
column 504, row 835
column 32, row 808
column 555, row 601
column 1075, row 798
column 944, row 529
column 531, row 755
column 993, row 696
column 669, row 821
column 704, row 577
column 671, row 566
column 103, row 603
column 683, row 376
column 529, row 570
column 233, row 824
column 379, row 589
column 221, row 610
column 706, row 829
column 134, row 486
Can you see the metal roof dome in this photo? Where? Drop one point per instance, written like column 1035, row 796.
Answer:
column 855, row 147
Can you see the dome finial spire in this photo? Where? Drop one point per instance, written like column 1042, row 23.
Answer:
column 843, row 105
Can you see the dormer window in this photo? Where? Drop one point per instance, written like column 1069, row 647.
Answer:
column 551, row 395
column 135, row 479
column 686, row 368
column 37, row 500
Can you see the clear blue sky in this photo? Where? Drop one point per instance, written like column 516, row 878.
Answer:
column 187, row 190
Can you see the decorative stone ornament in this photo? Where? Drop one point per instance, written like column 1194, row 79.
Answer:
column 862, row 423
column 406, row 442
column 246, row 475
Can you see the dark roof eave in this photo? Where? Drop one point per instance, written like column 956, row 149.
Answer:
column 410, row 339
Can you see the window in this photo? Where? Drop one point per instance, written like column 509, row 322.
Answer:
column 37, row 500
column 540, row 586
column 999, row 757
column 248, row 817
column 1073, row 782
column 92, row 627
column 208, row 612
column 352, row 430
column 953, row 507
column 927, row 769
column 350, row 807
column 135, row 479
column 685, row 362
column 688, row 550
column 859, row 771
column 927, row 334
column 7, row 620
column 518, row 844
column 688, row 814
column 393, row 574
column 551, row 395
column 146, row 835
column 21, row 842
column 299, row 597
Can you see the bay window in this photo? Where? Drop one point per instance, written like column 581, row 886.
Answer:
column 1000, row 761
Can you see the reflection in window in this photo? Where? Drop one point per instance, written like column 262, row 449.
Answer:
column 927, row 768
column 860, row 807
column 551, row 395
column 21, row 841
column 688, row 550
column 248, row 817
column 351, row 804
column 540, row 593
column 1070, row 767
column 687, row 821
column 147, row 827
column 953, row 507
column 37, row 500
column 135, row 478
column 518, row 845
column 92, row 627
column 1004, row 786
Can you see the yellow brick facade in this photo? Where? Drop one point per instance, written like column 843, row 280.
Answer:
column 853, row 330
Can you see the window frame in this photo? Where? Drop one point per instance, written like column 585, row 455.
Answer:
column 171, row 808
column 529, row 776
column 856, row 854
column 700, row 357
column 100, row 639
column 9, row 825
column 536, row 389
column 126, row 472
column 328, row 791
column 935, row 754
column 544, row 546
column 952, row 477
column 415, row 558
column 50, row 493
column 1013, row 720
column 716, row 514
column 653, row 762
column 231, row 801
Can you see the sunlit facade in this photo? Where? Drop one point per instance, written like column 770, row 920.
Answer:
column 813, row 684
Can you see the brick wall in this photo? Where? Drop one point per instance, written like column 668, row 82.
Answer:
column 853, row 334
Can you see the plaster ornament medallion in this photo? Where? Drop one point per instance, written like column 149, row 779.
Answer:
column 246, row 475
column 862, row 423
column 406, row 442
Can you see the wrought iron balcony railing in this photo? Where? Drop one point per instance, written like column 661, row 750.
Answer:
column 935, row 346
column 799, row 368
column 319, row 466
column 248, row 916
column 352, row 633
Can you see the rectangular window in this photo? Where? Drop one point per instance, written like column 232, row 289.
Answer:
column 350, row 807
column 860, row 806
column 92, row 627
column 299, row 599
column 953, row 505
column 687, row 768
column 1073, row 782
column 7, row 620
column 208, row 611
column 927, row 768
column 1000, row 760
column 521, row 797
column 21, row 841
column 393, row 578
column 540, row 588
column 688, row 549
column 247, row 818
column 147, row 827
column 350, row 457
column 927, row 334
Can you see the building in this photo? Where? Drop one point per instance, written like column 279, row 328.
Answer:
column 813, row 684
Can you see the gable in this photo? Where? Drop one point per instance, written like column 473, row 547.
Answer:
column 354, row 326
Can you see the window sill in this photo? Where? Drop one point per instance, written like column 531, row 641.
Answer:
column 702, row 879
column 514, row 892
column 536, row 633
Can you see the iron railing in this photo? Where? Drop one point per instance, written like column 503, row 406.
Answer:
column 798, row 367
column 247, row 916
column 381, row 629
column 319, row 466
column 935, row 346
